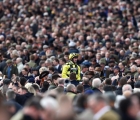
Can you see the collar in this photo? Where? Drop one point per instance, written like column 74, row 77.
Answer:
column 57, row 66
column 101, row 112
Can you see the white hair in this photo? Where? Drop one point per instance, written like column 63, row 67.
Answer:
column 96, row 83
column 49, row 103
column 134, row 67
column 126, row 87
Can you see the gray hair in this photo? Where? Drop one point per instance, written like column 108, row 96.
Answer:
column 96, row 83
column 10, row 94
column 126, row 87
column 70, row 87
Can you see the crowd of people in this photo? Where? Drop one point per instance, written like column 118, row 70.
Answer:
column 70, row 59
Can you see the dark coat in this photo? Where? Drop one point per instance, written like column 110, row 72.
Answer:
column 21, row 99
column 86, row 87
column 2, row 65
column 15, row 104
column 59, row 69
column 74, row 82
column 14, row 70
column 96, row 91
column 109, row 88
column 118, row 91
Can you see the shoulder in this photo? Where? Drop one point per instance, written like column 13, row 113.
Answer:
column 110, row 114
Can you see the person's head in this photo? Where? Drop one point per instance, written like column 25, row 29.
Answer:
column 36, row 87
column 97, row 102
column 122, row 81
column 62, row 61
column 116, row 70
column 51, row 69
column 24, row 71
column 32, row 57
column 22, row 90
column 15, row 88
column 9, row 62
column 45, row 85
column 73, row 57
column 61, row 82
column 111, row 98
column 10, row 94
column 126, row 87
column 108, row 81
column 55, row 79
column 91, row 68
column 80, row 101
column 55, row 62
column 42, row 63
column 96, row 83
column 18, row 60
column 107, row 54
column 71, row 88
column 128, row 107
column 133, row 68
column 89, row 74
column 72, row 76
column 27, row 66
column 31, row 89
column 84, row 68
column 121, row 65
column 85, row 81
column 22, row 81
column 50, row 106
column 33, row 107
column 80, row 88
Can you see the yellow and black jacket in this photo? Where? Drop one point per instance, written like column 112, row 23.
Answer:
column 71, row 67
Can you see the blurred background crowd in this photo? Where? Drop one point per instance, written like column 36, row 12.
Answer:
column 39, row 39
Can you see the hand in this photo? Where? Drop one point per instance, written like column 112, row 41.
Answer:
column 10, row 86
column 129, row 80
column 37, row 79
column 1, row 82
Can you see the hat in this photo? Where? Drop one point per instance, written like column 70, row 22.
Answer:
column 116, row 67
column 102, row 61
column 9, row 61
column 45, row 46
column 43, row 74
column 72, row 44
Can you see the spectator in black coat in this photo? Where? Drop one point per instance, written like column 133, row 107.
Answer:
column 23, row 95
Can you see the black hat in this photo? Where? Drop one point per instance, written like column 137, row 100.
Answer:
column 43, row 74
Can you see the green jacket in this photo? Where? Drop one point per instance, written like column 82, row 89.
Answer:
column 52, row 86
